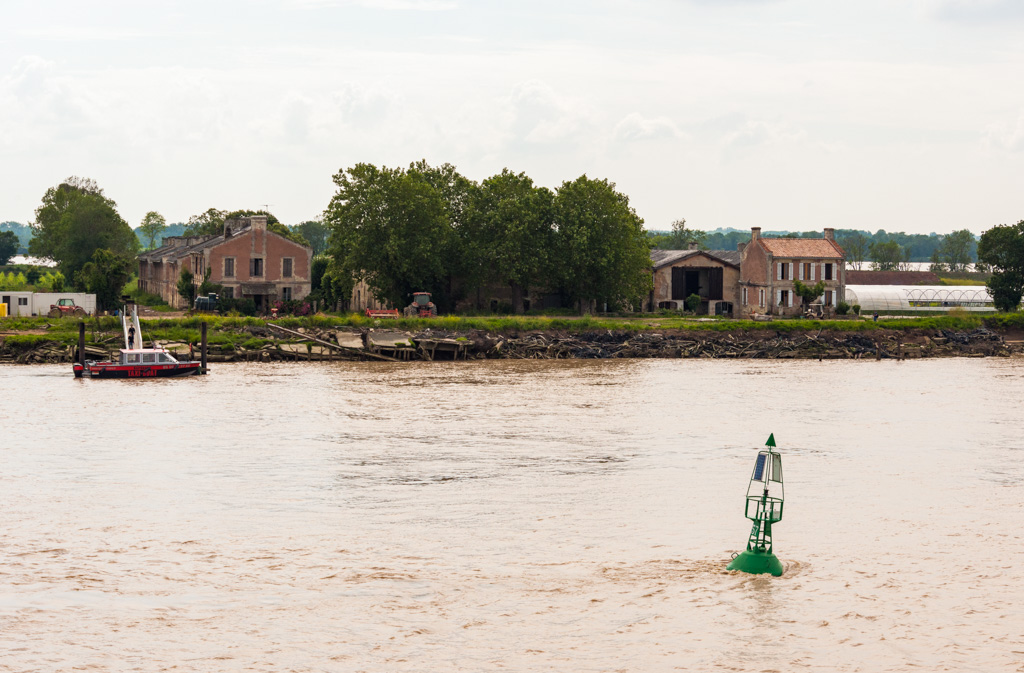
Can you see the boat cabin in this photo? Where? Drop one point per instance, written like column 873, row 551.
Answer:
column 145, row 356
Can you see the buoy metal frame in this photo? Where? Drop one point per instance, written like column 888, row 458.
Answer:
column 765, row 498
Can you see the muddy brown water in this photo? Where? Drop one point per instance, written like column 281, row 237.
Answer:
column 515, row 516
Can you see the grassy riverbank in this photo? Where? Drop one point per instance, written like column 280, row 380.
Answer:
column 25, row 332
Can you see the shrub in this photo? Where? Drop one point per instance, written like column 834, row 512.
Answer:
column 693, row 303
column 856, row 309
column 842, row 308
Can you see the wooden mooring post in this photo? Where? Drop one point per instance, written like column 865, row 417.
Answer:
column 202, row 348
column 81, row 343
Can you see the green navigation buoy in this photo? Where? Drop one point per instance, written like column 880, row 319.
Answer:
column 765, row 496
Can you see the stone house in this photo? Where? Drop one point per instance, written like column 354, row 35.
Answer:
column 247, row 259
column 769, row 268
column 713, row 275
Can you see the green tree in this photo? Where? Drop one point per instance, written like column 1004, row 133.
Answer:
column 187, row 287
column 74, row 221
column 937, row 265
column 57, row 282
column 1002, row 249
column 513, row 220
column 153, row 224
column 680, row 238
column 808, row 293
column 8, row 246
column 314, row 233
column 105, row 275
column 856, row 247
column 957, row 250
column 391, row 228
column 208, row 223
column 889, row 256
column 601, row 251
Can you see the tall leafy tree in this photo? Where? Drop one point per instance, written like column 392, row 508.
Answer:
column 1002, row 249
column 105, row 275
column 957, row 250
column 513, row 221
column 8, row 246
column 391, row 228
column 889, row 256
column 680, row 237
column 74, row 221
column 314, row 233
column 207, row 223
column 187, row 286
column 601, row 251
column 153, row 224
column 856, row 246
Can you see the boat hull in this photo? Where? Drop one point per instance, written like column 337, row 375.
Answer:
column 113, row 370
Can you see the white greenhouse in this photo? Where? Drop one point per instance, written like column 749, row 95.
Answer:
column 912, row 298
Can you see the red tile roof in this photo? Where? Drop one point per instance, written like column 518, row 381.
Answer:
column 818, row 248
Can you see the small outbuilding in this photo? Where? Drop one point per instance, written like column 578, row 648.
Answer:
column 712, row 275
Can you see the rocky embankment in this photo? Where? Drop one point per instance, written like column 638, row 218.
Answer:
column 306, row 344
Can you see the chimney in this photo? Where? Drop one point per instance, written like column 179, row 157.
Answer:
column 740, row 246
column 692, row 246
column 258, row 222
column 830, row 234
column 227, row 228
column 755, row 233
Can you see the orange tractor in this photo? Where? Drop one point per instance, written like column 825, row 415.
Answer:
column 421, row 306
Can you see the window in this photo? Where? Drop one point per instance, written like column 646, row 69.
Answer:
column 229, row 267
column 149, row 357
column 131, row 358
column 286, row 293
column 828, row 297
column 783, row 297
column 783, row 271
column 286, row 267
column 745, row 302
column 828, row 272
column 256, row 266
column 22, row 301
column 228, row 293
column 808, row 271
column 760, row 298
column 164, row 357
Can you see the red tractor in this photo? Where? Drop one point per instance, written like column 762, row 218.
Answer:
column 421, row 306
column 65, row 307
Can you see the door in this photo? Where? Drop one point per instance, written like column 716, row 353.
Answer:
column 678, row 283
column 716, row 275
column 7, row 300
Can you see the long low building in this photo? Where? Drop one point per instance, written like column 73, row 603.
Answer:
column 914, row 298
column 25, row 303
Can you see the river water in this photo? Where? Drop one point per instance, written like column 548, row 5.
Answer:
column 513, row 516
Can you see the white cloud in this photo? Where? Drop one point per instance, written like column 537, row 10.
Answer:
column 1006, row 137
column 636, row 127
column 976, row 10
column 391, row 5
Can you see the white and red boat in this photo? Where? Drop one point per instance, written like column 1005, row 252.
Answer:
column 137, row 363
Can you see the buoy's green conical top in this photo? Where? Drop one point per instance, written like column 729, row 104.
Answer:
column 771, row 440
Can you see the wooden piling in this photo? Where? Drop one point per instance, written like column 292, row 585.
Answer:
column 202, row 348
column 81, row 342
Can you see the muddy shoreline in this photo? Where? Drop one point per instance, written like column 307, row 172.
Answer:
column 315, row 344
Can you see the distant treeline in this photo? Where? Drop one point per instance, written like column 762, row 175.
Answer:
column 22, row 231
column 916, row 247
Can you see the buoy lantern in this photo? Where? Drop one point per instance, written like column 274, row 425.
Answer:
column 765, row 496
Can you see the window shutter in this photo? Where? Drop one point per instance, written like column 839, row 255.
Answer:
column 778, row 297
column 778, row 271
column 252, row 267
column 812, row 272
column 801, row 271
column 791, row 276
column 822, row 269
column 790, row 299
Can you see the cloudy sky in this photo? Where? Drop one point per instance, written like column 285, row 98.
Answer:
column 785, row 114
